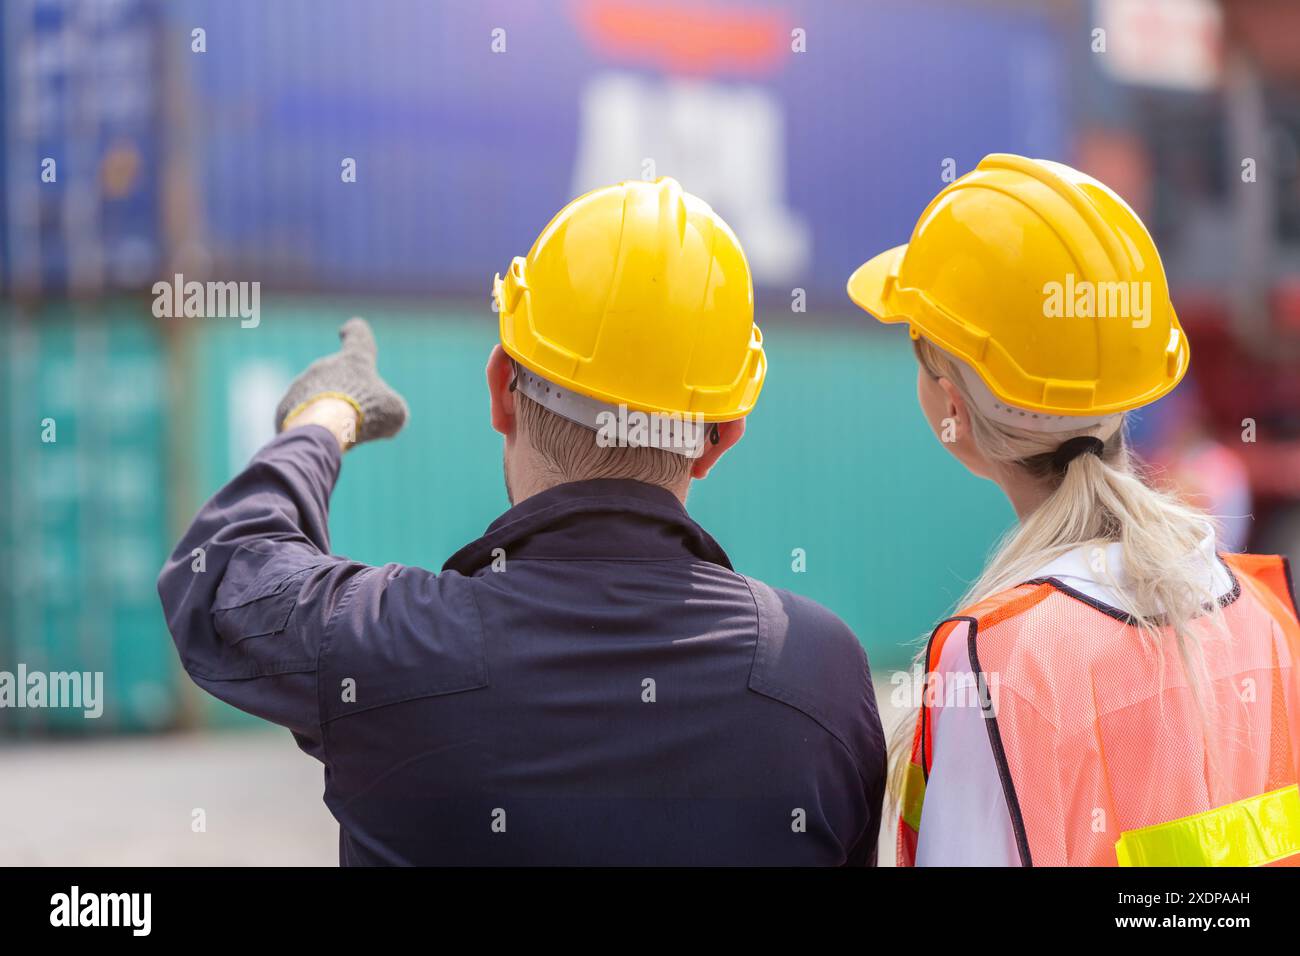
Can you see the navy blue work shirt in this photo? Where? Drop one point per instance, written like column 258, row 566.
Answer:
column 607, row 691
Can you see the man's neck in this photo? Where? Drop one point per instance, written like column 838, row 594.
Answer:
column 536, row 483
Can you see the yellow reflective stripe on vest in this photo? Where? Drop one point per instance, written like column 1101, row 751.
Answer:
column 1250, row 832
column 913, row 795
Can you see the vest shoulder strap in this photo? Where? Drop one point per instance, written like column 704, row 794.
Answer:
column 1271, row 570
column 986, row 613
column 998, row 607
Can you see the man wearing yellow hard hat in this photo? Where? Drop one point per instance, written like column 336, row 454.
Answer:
column 590, row 682
column 1112, row 689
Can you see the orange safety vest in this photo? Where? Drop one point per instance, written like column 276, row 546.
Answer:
column 1105, row 755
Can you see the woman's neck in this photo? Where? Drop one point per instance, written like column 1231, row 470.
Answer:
column 1025, row 493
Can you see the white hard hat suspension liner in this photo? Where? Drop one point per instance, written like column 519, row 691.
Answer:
column 588, row 412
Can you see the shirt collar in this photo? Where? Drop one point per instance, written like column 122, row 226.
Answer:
column 601, row 519
column 1082, row 569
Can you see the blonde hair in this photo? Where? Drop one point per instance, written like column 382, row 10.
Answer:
column 1097, row 500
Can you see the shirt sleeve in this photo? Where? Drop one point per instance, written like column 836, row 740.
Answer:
column 249, row 591
column 864, row 851
column 964, row 819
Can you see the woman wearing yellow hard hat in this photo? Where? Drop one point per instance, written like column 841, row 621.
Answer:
column 1112, row 690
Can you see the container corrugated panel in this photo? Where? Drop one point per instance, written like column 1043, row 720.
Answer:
column 82, row 144
column 83, row 531
column 838, row 472
column 462, row 154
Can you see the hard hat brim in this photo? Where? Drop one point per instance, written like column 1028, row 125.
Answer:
column 868, row 287
column 872, row 289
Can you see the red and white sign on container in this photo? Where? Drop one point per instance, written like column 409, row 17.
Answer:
column 1168, row 43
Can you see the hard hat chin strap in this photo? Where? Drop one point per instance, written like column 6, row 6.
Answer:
column 681, row 435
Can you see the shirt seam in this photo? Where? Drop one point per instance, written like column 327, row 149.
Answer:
column 853, row 760
column 326, row 637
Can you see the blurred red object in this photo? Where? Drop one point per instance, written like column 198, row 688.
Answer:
column 1286, row 305
column 1268, row 31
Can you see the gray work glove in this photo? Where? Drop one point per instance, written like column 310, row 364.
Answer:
column 349, row 374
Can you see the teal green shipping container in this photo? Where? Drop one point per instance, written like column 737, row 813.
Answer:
column 83, row 507
column 838, row 490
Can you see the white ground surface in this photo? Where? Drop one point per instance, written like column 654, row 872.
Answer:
column 130, row 802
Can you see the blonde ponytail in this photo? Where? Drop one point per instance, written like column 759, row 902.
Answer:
column 1099, row 500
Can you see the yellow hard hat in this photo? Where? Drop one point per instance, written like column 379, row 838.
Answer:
column 638, row 294
column 1043, row 281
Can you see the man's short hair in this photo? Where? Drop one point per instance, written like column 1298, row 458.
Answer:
column 573, row 454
